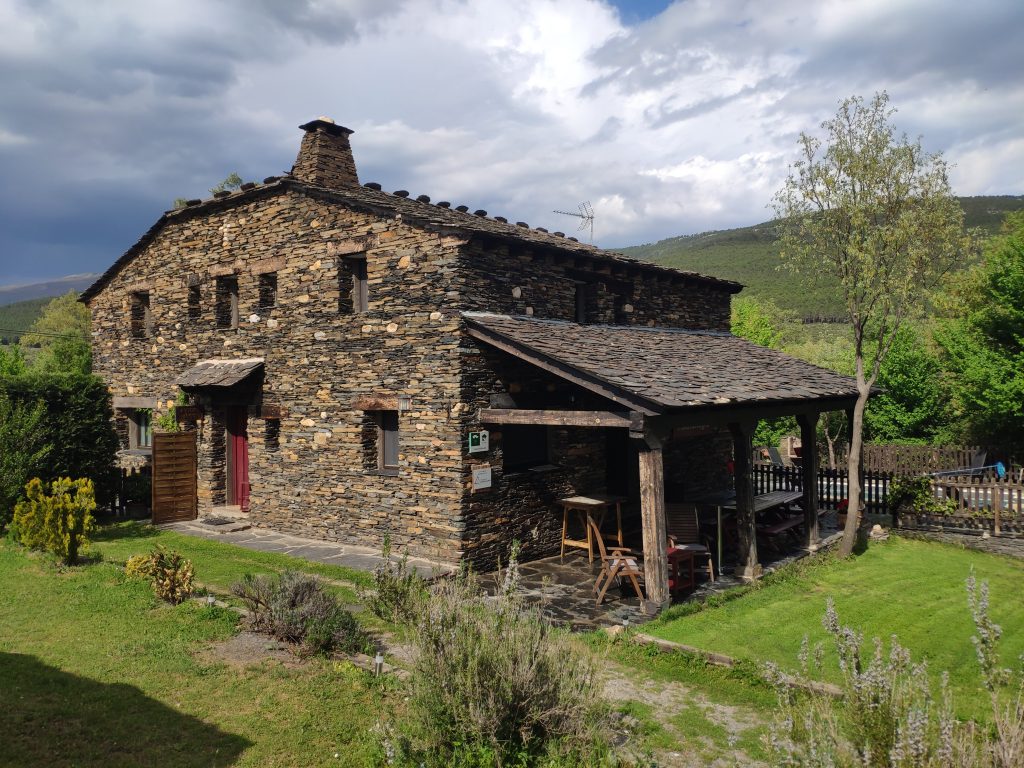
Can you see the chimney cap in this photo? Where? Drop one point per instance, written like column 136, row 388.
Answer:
column 326, row 124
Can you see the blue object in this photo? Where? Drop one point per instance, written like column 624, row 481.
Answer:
column 1000, row 469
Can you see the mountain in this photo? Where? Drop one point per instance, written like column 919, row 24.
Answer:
column 9, row 294
column 748, row 255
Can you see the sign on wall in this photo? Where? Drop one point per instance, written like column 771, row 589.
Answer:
column 481, row 477
column 479, row 442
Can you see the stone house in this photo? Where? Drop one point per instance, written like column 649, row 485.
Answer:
column 339, row 345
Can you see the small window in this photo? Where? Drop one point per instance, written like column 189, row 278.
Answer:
column 141, row 315
column 272, row 434
column 524, row 446
column 353, row 293
column 140, row 433
column 581, row 303
column 227, row 302
column 195, row 303
column 387, row 441
column 268, row 290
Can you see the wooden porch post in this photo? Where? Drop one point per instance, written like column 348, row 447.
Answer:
column 743, row 447
column 809, row 440
column 652, row 512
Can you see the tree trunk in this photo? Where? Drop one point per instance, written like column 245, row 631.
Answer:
column 853, row 495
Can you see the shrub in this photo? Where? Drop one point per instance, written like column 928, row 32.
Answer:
column 914, row 494
column 889, row 716
column 77, row 427
column 294, row 607
column 494, row 684
column 139, row 566
column 59, row 523
column 398, row 591
column 172, row 575
column 22, row 450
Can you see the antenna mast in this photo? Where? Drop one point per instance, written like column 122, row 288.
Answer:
column 586, row 216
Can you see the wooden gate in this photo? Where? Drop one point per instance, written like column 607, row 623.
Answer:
column 174, row 477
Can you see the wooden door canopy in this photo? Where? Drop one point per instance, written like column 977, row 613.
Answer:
column 174, row 477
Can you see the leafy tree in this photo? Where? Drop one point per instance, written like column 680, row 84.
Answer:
column 876, row 214
column 912, row 406
column 982, row 339
column 757, row 321
column 62, row 333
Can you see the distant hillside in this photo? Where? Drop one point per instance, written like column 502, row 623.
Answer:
column 9, row 294
column 18, row 317
column 748, row 255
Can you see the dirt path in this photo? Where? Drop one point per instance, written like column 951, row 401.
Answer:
column 705, row 733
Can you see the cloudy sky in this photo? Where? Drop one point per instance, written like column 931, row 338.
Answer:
column 669, row 117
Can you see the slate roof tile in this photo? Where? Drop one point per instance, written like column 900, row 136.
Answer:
column 671, row 368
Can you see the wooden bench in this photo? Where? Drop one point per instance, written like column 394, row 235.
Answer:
column 786, row 525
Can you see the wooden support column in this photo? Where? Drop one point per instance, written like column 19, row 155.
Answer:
column 809, row 460
column 652, row 512
column 746, row 522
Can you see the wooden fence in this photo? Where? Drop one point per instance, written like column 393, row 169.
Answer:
column 988, row 501
column 910, row 460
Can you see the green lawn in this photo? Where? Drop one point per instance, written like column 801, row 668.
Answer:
column 217, row 564
column 94, row 671
column 914, row 589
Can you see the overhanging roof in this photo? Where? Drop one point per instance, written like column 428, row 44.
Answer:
column 219, row 373
column 662, row 370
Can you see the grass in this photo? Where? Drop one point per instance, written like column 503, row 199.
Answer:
column 913, row 589
column 219, row 565
column 95, row 672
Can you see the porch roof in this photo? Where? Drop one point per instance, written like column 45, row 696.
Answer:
column 219, row 373
column 661, row 370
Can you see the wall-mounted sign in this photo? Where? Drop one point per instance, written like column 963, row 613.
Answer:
column 481, row 477
column 479, row 442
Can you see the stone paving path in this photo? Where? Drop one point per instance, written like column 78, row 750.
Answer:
column 332, row 553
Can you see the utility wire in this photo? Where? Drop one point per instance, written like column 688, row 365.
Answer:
column 43, row 333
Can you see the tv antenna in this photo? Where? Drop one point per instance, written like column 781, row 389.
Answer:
column 586, row 216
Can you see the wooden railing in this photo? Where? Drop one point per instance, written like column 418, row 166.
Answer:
column 983, row 497
column 910, row 460
column 833, row 485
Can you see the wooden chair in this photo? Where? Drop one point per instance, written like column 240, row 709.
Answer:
column 618, row 563
column 683, row 530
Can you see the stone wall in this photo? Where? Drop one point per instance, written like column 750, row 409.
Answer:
column 531, row 281
column 318, row 362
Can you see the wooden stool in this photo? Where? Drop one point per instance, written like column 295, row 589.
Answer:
column 590, row 508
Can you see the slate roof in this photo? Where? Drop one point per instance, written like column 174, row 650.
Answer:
column 219, row 373
column 666, row 369
column 417, row 211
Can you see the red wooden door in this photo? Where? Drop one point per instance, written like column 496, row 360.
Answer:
column 238, row 445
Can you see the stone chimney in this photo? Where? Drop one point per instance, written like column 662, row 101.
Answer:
column 325, row 157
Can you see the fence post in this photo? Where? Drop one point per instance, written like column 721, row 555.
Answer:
column 996, row 507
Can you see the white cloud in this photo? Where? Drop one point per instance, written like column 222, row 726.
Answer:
column 682, row 123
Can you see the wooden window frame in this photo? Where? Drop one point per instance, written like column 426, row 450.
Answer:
column 353, row 285
column 227, row 290
column 140, row 424
column 388, row 431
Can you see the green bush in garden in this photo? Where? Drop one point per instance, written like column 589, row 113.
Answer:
column 59, row 522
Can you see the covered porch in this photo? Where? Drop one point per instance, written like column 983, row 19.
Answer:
column 665, row 388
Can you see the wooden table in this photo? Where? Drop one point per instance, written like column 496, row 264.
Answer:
column 727, row 500
column 589, row 508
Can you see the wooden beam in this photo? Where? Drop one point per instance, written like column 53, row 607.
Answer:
column 554, row 418
column 652, row 512
column 746, row 521
column 809, row 466
column 567, row 372
column 730, row 413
